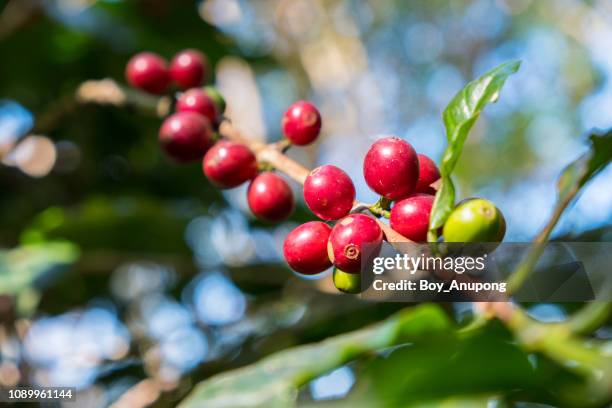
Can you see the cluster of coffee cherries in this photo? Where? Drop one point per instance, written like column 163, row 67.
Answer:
column 391, row 168
column 189, row 133
column 403, row 179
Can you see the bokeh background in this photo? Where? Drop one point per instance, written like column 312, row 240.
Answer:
column 123, row 272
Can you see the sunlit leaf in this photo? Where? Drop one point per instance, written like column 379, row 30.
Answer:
column 459, row 118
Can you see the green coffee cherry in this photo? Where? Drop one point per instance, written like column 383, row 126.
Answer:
column 475, row 220
column 347, row 282
column 216, row 96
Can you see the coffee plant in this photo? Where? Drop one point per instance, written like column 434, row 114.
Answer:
column 418, row 203
column 498, row 356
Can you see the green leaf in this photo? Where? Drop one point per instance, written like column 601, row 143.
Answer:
column 580, row 171
column 29, row 265
column 274, row 381
column 484, row 364
column 442, row 207
column 463, row 110
column 459, row 117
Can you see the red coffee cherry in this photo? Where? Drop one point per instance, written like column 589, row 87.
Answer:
column 410, row 216
column 391, row 168
column 270, row 197
column 228, row 164
column 188, row 68
column 428, row 173
column 149, row 72
column 329, row 192
column 347, row 240
column 301, row 123
column 186, row 136
column 196, row 100
column 305, row 248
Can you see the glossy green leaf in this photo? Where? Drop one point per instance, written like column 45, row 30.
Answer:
column 459, row 118
column 274, row 381
column 463, row 110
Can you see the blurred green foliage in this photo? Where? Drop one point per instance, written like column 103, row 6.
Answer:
column 30, row 265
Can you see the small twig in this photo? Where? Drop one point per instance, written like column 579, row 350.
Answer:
column 283, row 145
column 267, row 153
